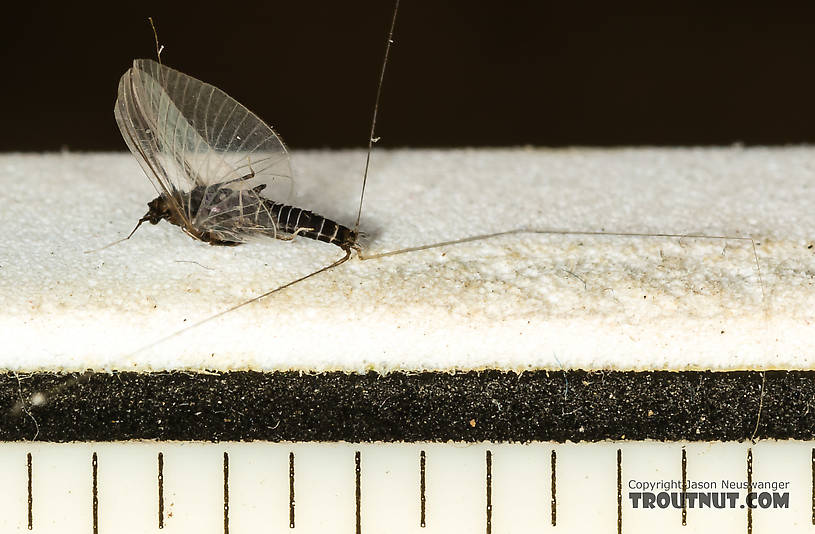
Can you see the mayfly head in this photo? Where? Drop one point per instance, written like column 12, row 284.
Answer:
column 159, row 209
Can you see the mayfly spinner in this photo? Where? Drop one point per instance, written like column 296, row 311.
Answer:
column 212, row 162
column 221, row 173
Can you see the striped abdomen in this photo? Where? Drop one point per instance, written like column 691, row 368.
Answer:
column 291, row 220
column 224, row 216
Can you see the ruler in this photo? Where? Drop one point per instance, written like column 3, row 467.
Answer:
column 407, row 488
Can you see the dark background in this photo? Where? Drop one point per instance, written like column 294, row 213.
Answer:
column 469, row 73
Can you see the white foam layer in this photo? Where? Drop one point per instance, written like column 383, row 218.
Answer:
column 518, row 301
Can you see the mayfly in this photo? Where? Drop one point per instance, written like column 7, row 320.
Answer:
column 221, row 173
column 212, row 162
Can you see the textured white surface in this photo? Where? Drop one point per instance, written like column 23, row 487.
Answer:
column 518, row 301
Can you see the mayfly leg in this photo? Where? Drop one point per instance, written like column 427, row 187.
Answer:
column 244, row 177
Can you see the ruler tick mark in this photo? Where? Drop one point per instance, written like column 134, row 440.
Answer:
column 813, row 486
column 358, row 471
column 684, row 487
column 30, row 494
column 489, row 492
column 291, row 490
column 619, row 491
column 160, row 490
column 422, row 499
column 226, row 493
column 553, row 502
column 749, row 486
column 95, row 493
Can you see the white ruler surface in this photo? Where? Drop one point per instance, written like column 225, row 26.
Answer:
column 221, row 488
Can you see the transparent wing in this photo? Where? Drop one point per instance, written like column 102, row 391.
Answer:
column 189, row 135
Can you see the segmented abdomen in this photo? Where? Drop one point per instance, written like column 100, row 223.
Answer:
column 291, row 220
column 224, row 215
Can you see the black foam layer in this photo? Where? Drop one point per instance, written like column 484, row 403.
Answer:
column 467, row 406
